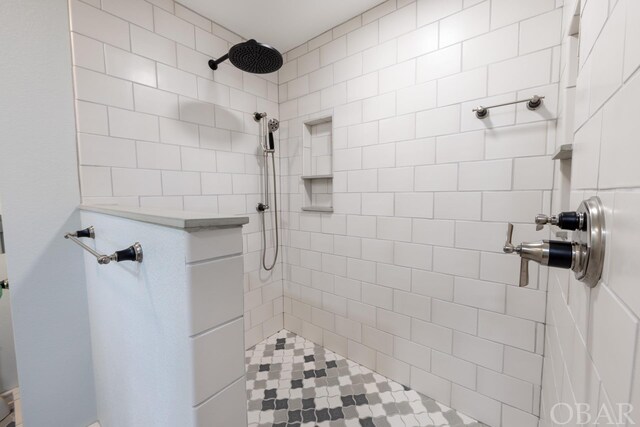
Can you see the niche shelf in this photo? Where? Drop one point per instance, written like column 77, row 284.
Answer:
column 317, row 164
column 317, row 177
column 565, row 152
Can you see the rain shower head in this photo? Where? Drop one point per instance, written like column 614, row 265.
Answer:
column 252, row 57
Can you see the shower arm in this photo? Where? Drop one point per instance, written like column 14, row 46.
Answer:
column 213, row 63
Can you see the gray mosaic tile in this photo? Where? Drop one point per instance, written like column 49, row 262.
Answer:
column 292, row 382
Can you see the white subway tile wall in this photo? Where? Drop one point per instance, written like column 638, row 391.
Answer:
column 157, row 127
column 407, row 275
column 592, row 353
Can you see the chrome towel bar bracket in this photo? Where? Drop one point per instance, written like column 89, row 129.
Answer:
column 132, row 253
column 533, row 103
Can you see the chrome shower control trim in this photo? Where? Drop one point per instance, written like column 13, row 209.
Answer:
column 584, row 255
column 592, row 241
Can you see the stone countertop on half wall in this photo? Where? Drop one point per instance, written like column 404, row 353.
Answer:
column 186, row 220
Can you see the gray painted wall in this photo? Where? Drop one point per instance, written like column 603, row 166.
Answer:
column 40, row 193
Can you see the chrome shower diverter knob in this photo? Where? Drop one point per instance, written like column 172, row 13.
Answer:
column 554, row 253
column 584, row 255
column 564, row 220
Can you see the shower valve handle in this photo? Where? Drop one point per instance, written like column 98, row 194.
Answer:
column 553, row 253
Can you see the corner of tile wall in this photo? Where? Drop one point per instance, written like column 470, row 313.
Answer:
column 158, row 128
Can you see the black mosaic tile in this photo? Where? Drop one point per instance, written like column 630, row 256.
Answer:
column 308, row 415
column 296, row 384
column 347, row 400
column 270, row 393
column 323, row 415
column 319, row 373
column 336, row 413
column 295, row 416
column 282, row 403
column 309, row 403
column 309, row 358
column 367, row 422
column 332, row 364
column 268, row 405
column 309, row 374
column 264, row 368
column 360, row 399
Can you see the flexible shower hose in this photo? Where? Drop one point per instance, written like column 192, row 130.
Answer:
column 275, row 212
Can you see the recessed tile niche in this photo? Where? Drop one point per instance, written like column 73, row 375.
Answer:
column 317, row 165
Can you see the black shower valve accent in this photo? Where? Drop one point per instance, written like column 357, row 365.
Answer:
column 565, row 220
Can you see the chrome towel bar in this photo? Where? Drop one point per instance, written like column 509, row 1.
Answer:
column 533, row 103
column 132, row 253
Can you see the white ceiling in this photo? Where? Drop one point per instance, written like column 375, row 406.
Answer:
column 283, row 24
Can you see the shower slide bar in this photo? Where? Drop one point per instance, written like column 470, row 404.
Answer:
column 533, row 103
column 132, row 253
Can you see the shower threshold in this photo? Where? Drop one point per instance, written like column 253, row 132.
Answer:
column 293, row 382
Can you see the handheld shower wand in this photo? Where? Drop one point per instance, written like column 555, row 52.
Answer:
column 274, row 125
column 267, row 143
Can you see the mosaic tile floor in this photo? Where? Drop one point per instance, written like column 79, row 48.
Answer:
column 292, row 382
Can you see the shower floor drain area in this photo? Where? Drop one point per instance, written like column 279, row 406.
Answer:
column 293, row 382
